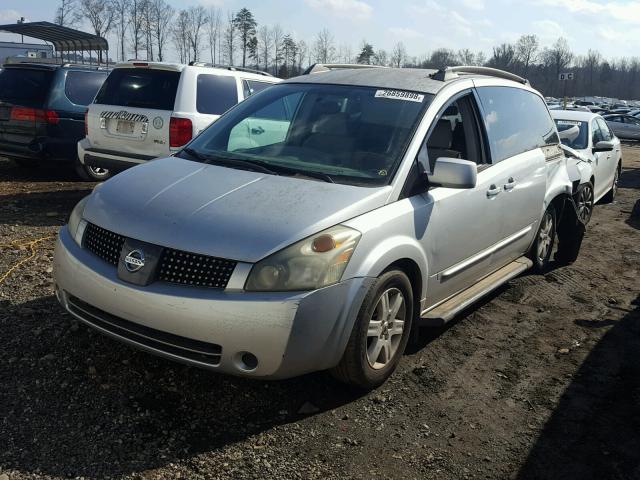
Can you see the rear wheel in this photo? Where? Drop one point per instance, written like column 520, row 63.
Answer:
column 92, row 174
column 542, row 246
column 380, row 333
column 611, row 194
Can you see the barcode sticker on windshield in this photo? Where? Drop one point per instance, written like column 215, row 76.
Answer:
column 400, row 95
column 569, row 122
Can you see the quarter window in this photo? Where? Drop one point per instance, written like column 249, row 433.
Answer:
column 216, row 94
column 516, row 121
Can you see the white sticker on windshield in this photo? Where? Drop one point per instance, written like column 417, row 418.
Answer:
column 400, row 95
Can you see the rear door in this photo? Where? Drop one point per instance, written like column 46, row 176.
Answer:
column 523, row 139
column 132, row 112
column 23, row 95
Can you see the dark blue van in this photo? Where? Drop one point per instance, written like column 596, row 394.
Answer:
column 42, row 110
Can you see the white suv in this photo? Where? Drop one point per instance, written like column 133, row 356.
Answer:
column 147, row 110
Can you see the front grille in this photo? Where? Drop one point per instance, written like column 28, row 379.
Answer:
column 103, row 243
column 194, row 269
column 175, row 266
column 183, row 347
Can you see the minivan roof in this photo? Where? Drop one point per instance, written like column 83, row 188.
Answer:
column 412, row 79
column 179, row 67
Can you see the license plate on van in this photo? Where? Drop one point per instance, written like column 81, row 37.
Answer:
column 125, row 127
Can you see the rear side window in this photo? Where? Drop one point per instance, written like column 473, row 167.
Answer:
column 252, row 87
column 22, row 86
column 516, row 120
column 81, row 87
column 216, row 94
column 140, row 88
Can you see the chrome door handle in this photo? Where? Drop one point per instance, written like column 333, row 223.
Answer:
column 510, row 185
column 493, row 191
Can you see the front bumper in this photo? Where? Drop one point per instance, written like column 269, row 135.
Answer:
column 289, row 333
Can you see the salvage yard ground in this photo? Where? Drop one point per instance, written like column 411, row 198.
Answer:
column 542, row 380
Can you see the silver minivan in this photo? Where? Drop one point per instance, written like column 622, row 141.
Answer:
column 315, row 224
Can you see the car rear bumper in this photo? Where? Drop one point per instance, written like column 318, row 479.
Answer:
column 109, row 159
column 38, row 150
column 289, row 333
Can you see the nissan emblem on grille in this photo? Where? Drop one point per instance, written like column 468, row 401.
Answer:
column 134, row 260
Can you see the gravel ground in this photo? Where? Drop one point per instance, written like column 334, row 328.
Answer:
column 542, row 380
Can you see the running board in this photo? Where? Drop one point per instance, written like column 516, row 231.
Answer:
column 446, row 311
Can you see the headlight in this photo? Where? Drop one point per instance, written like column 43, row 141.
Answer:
column 313, row 263
column 76, row 224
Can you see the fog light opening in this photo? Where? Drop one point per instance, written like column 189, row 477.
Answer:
column 247, row 361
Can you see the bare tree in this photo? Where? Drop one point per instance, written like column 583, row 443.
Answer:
column 466, row 57
column 277, row 35
column 121, row 24
column 265, row 44
column 136, row 24
column 67, row 14
column 229, row 38
column 504, row 56
column 324, row 46
column 381, row 57
column 303, row 51
column 100, row 15
column 399, row 55
column 527, row 51
column 214, row 27
column 180, row 35
column 162, row 14
column 559, row 56
column 148, row 28
column 197, row 20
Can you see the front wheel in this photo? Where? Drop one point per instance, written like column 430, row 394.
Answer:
column 584, row 200
column 543, row 244
column 380, row 333
column 92, row 174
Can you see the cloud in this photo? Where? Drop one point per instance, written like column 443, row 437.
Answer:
column 405, row 32
column 343, row 8
column 628, row 12
column 548, row 30
column 9, row 16
column 474, row 4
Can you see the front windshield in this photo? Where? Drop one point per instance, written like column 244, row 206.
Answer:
column 341, row 134
column 573, row 133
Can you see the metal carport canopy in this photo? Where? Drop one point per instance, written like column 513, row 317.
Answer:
column 64, row 39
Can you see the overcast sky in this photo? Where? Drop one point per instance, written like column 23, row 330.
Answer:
column 611, row 27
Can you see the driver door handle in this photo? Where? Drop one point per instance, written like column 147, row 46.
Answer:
column 493, row 191
column 510, row 185
column 257, row 130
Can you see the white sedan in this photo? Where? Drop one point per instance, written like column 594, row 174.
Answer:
column 589, row 134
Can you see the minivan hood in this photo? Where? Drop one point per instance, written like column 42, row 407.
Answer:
column 223, row 212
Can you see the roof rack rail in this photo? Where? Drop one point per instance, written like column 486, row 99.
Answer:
column 327, row 67
column 449, row 73
column 230, row 67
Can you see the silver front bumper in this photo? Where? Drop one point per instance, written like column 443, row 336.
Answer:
column 289, row 333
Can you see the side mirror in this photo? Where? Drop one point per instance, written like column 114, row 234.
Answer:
column 603, row 146
column 454, row 173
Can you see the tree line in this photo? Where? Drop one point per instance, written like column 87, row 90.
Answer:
column 146, row 29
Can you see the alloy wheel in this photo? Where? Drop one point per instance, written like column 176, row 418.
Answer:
column 98, row 171
column 585, row 204
column 386, row 327
column 545, row 236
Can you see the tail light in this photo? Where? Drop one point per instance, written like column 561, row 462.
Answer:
column 180, row 131
column 86, row 123
column 26, row 114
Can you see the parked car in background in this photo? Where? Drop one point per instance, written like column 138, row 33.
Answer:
column 387, row 199
column 590, row 135
column 147, row 110
column 42, row 108
column 625, row 127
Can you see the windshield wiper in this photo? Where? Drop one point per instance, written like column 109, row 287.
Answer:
column 319, row 175
column 230, row 162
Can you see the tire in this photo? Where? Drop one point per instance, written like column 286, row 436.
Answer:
column 611, row 194
column 542, row 247
column 373, row 332
column 92, row 174
column 584, row 200
column 25, row 162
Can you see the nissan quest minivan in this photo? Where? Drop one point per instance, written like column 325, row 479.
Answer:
column 315, row 224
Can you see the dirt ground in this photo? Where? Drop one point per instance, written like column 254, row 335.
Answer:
column 540, row 381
